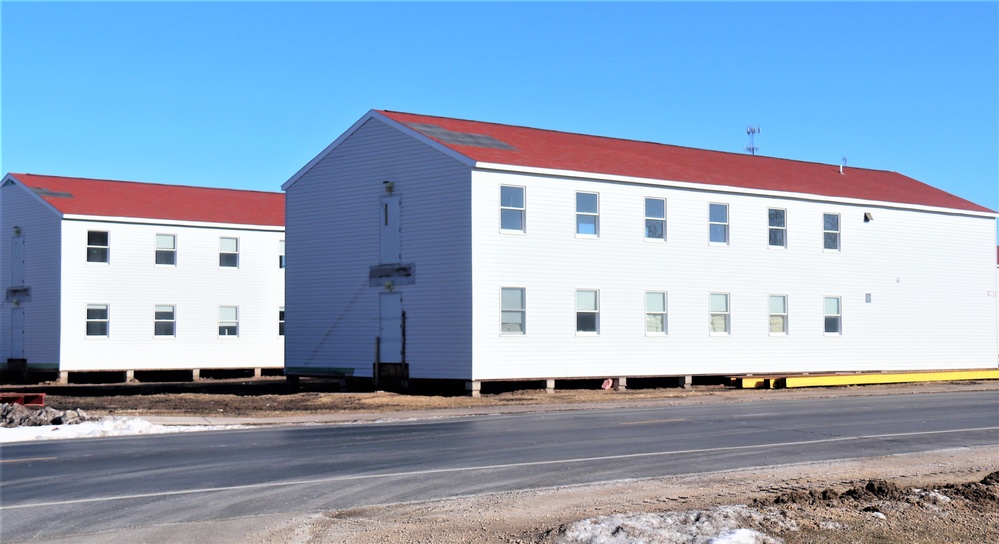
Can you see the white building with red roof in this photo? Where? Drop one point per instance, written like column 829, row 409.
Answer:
column 436, row 248
column 138, row 278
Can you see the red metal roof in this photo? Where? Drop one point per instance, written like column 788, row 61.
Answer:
column 107, row 198
column 530, row 147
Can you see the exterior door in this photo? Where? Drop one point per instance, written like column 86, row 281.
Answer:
column 17, row 333
column 389, row 239
column 390, row 327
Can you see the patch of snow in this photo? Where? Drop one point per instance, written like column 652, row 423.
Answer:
column 110, row 426
column 722, row 525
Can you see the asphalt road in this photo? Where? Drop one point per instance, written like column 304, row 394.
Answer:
column 78, row 488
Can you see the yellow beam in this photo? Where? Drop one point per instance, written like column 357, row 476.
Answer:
column 826, row 380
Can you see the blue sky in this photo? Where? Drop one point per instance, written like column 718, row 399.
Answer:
column 244, row 94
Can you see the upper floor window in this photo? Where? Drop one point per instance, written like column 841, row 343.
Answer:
column 833, row 312
column 655, row 313
column 718, row 223
column 165, row 321
column 830, row 231
column 778, row 314
column 281, row 254
column 98, row 247
column 587, row 214
column 166, row 249
column 655, row 218
column 587, row 310
column 513, row 310
column 228, row 321
column 720, row 322
column 229, row 252
column 281, row 321
column 778, row 228
column 98, row 319
column 512, row 209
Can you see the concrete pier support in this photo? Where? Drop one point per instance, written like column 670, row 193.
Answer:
column 686, row 381
column 620, row 384
column 195, row 374
column 129, row 376
column 550, row 386
column 473, row 388
column 257, row 372
column 63, row 377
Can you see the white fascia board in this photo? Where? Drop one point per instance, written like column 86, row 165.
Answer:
column 11, row 180
column 372, row 114
column 172, row 223
column 712, row 188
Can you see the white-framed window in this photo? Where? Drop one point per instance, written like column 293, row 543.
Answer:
column 777, row 219
column 98, row 246
column 166, row 249
column 718, row 223
column 280, row 253
column 513, row 310
column 720, row 313
column 165, row 320
column 833, row 311
column 513, row 209
column 656, row 322
column 228, row 321
column 655, row 219
column 587, row 310
column 281, row 321
column 588, row 214
column 229, row 252
column 98, row 319
column 778, row 314
column 830, row 231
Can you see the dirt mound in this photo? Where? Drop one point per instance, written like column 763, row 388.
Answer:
column 17, row 415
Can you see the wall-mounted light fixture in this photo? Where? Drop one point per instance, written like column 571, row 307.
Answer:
column 17, row 230
column 388, row 286
column 389, row 186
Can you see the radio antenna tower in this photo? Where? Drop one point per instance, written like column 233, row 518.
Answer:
column 752, row 131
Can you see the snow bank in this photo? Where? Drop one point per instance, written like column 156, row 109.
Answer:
column 722, row 525
column 109, row 426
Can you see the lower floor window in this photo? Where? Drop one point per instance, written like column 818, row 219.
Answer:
column 164, row 321
column 778, row 314
column 833, row 315
column 228, row 321
column 655, row 313
column 512, row 318
column 587, row 311
column 281, row 322
column 97, row 319
column 719, row 313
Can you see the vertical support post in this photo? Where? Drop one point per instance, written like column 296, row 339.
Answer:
column 473, row 388
column 63, row 377
column 620, row 384
column 129, row 375
column 195, row 374
column 550, row 386
column 258, row 372
column 686, row 381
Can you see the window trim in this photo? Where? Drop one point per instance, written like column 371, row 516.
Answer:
column 94, row 247
column 782, row 228
column 725, row 224
column 228, row 321
column 727, row 313
column 664, row 314
column 158, row 249
column 838, row 232
column 595, row 215
column 172, row 320
column 225, row 253
column 522, row 311
column 522, row 210
column 595, row 312
column 784, row 315
column 838, row 316
column 106, row 320
column 648, row 218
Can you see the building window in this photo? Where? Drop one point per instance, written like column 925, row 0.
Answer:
column 587, row 214
column 228, row 321
column 281, row 321
column 229, row 252
column 655, row 313
column 98, row 248
column 778, row 228
column 778, row 314
column 833, row 314
column 166, row 249
column 97, row 319
column 587, row 311
column 281, row 254
column 165, row 321
column 830, row 231
column 512, row 313
column 655, row 219
column 720, row 321
column 718, row 223
column 512, row 209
